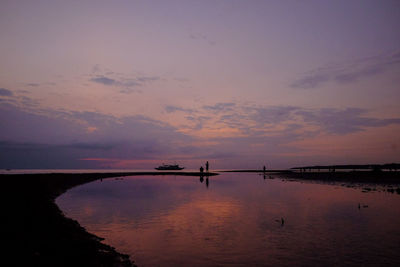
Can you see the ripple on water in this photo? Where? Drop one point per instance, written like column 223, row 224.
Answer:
column 236, row 221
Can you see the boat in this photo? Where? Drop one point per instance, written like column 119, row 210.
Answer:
column 166, row 167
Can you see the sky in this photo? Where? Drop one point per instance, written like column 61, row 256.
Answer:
column 242, row 84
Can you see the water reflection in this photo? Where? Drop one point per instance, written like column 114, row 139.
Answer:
column 207, row 180
column 239, row 220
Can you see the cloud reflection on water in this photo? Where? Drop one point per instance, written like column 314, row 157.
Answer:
column 178, row 221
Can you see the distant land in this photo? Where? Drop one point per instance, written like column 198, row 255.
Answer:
column 387, row 166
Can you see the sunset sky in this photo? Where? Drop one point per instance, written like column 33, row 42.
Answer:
column 242, row 84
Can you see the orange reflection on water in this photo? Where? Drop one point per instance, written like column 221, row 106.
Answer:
column 178, row 221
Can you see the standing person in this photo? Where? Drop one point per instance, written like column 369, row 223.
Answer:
column 207, row 166
column 264, row 169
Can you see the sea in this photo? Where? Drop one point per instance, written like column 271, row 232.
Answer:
column 238, row 219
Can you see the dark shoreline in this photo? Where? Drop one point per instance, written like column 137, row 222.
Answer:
column 38, row 234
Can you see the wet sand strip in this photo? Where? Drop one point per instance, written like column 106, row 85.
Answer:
column 36, row 233
column 378, row 177
column 260, row 171
column 372, row 177
column 367, row 181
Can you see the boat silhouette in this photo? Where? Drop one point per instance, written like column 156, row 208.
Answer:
column 165, row 167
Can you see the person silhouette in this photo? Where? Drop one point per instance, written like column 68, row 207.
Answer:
column 264, row 169
column 201, row 169
column 207, row 166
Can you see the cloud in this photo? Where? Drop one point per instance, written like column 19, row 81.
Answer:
column 190, row 118
column 21, row 125
column 92, row 146
column 29, row 137
column 256, row 133
column 225, row 132
column 349, row 72
column 200, row 121
column 179, row 79
column 32, row 84
column 255, row 121
column 272, row 114
column 171, row 109
column 104, row 80
column 202, row 37
column 92, row 118
column 127, row 84
column 348, row 77
column 28, row 155
column 248, row 119
column 96, row 68
column 220, row 107
column 343, row 121
column 5, row 92
column 311, row 81
column 147, row 79
column 17, row 155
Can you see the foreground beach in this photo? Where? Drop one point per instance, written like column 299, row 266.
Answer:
column 38, row 234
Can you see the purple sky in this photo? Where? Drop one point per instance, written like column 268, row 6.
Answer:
column 242, row 84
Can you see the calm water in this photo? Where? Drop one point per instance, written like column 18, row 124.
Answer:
column 35, row 171
column 236, row 221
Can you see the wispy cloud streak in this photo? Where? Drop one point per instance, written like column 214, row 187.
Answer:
column 172, row 108
column 270, row 120
column 127, row 84
column 348, row 72
column 5, row 92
